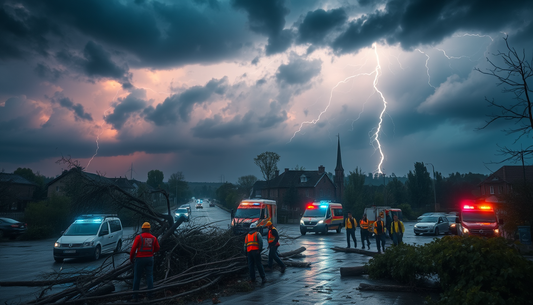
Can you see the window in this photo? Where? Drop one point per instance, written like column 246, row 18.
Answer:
column 492, row 190
column 104, row 229
column 337, row 212
column 328, row 215
column 115, row 226
column 303, row 178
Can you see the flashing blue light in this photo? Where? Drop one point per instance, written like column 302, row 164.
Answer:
column 95, row 220
column 255, row 203
column 323, row 206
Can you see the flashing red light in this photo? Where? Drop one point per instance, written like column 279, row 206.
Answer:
column 468, row 207
column 485, row 207
column 310, row 207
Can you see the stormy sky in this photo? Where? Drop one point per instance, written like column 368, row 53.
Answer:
column 204, row 86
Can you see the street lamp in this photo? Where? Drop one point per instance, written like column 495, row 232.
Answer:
column 433, row 182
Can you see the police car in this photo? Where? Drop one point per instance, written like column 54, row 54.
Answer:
column 90, row 236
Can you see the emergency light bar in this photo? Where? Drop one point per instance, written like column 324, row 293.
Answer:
column 468, row 207
column 323, row 206
column 483, row 207
column 310, row 207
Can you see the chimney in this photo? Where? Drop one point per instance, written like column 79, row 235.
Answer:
column 321, row 169
column 276, row 173
column 286, row 169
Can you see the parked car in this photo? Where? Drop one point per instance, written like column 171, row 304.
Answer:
column 187, row 206
column 90, row 236
column 199, row 206
column 453, row 224
column 432, row 224
column 423, row 215
column 11, row 228
column 182, row 213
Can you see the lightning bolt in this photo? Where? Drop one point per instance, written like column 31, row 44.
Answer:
column 378, row 129
column 427, row 69
column 474, row 35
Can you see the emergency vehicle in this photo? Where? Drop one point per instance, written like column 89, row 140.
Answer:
column 478, row 219
column 258, row 211
column 373, row 212
column 320, row 217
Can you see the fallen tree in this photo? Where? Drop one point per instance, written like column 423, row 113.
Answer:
column 354, row 271
column 352, row 250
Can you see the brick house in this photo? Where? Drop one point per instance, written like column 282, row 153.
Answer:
column 501, row 181
column 58, row 184
column 303, row 186
column 15, row 192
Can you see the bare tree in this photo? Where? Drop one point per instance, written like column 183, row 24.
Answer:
column 267, row 162
column 513, row 74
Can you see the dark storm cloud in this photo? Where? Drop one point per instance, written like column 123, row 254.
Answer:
column 267, row 17
column 98, row 63
column 47, row 72
column 298, row 71
column 126, row 107
column 416, row 22
column 317, row 24
column 67, row 103
column 155, row 33
column 180, row 106
column 217, row 128
column 274, row 117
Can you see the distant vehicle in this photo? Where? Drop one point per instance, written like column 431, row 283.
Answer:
column 11, row 228
column 90, row 236
column 186, row 206
column 320, row 217
column 424, row 215
column 373, row 212
column 452, row 219
column 211, row 204
column 182, row 213
column 199, row 206
column 258, row 211
column 478, row 219
column 432, row 224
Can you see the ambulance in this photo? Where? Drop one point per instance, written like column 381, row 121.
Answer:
column 478, row 219
column 258, row 211
column 320, row 217
column 373, row 212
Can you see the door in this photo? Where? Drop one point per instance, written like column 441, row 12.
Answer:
column 106, row 238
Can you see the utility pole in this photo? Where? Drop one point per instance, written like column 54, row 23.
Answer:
column 434, row 190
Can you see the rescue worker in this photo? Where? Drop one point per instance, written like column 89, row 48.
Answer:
column 350, row 224
column 380, row 230
column 388, row 222
column 273, row 244
column 397, row 229
column 364, row 225
column 253, row 245
column 142, row 255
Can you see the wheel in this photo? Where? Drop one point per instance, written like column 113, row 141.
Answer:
column 325, row 230
column 58, row 259
column 436, row 231
column 417, row 234
column 339, row 229
column 97, row 252
column 303, row 231
column 119, row 246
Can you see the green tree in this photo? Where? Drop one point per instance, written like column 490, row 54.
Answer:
column 419, row 186
column 179, row 187
column 36, row 178
column 155, row 178
column 245, row 184
column 397, row 192
column 267, row 163
column 228, row 195
column 354, row 192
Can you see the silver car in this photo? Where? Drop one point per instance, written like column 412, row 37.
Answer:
column 432, row 224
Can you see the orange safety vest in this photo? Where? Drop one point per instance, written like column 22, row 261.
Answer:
column 251, row 241
column 271, row 237
column 363, row 224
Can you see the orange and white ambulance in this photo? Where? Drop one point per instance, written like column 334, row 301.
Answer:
column 258, row 211
column 320, row 217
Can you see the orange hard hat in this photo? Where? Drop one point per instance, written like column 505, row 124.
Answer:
column 269, row 223
column 146, row 225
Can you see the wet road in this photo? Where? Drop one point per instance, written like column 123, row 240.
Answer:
column 31, row 260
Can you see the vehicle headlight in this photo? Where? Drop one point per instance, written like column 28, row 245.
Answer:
column 452, row 225
column 321, row 221
column 301, row 221
column 56, row 245
column 186, row 214
column 496, row 231
column 465, row 230
column 88, row 243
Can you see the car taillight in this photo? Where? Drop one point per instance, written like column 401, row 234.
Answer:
column 14, row 226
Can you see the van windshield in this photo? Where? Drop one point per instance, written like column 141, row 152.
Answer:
column 77, row 229
column 315, row 213
column 248, row 213
column 477, row 216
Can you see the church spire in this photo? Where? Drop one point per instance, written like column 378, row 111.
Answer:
column 339, row 174
column 339, row 159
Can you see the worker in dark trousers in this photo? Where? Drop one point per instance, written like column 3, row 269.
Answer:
column 253, row 245
column 397, row 229
column 350, row 224
column 380, row 230
column 273, row 245
column 142, row 255
column 364, row 225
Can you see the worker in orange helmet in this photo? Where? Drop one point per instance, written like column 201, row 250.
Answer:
column 273, row 244
column 142, row 255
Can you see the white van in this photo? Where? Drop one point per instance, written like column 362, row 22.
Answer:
column 90, row 236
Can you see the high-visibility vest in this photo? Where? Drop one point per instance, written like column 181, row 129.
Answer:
column 349, row 224
column 147, row 244
column 271, row 237
column 379, row 224
column 252, row 242
column 363, row 224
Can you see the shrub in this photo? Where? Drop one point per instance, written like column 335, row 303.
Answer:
column 48, row 217
column 471, row 270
